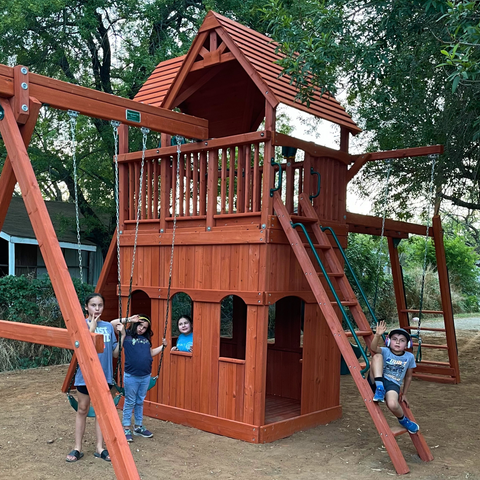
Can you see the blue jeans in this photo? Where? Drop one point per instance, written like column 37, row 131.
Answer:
column 135, row 392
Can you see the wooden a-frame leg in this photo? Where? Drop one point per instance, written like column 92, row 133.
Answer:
column 122, row 459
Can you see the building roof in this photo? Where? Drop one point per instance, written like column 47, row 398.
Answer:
column 179, row 78
column 17, row 223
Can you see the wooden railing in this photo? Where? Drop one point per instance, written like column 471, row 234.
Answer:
column 209, row 180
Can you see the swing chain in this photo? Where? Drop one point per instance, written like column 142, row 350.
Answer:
column 179, row 140
column 382, row 235
column 145, row 131
column 73, row 125
column 433, row 158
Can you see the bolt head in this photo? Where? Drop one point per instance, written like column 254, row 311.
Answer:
column 24, row 70
column 77, row 344
column 24, row 85
column 25, row 108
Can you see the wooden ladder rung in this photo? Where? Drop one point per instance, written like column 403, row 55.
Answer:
column 412, row 310
column 434, row 362
column 429, row 345
column 317, row 245
column 435, row 378
column 346, row 303
column 302, row 219
column 332, row 274
column 359, row 333
column 424, row 329
column 397, row 430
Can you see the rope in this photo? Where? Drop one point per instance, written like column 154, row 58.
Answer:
column 179, row 141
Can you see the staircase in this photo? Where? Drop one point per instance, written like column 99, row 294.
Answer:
column 332, row 273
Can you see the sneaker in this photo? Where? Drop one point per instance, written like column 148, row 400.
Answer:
column 379, row 394
column 412, row 427
column 143, row 432
column 128, row 435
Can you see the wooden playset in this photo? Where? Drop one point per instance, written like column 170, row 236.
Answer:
column 242, row 224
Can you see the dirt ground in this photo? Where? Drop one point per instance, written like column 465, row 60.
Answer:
column 37, row 428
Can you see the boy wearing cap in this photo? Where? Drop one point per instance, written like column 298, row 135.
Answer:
column 389, row 367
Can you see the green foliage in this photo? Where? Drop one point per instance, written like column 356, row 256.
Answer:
column 28, row 300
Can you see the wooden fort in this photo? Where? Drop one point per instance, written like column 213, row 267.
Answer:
column 229, row 241
column 219, row 199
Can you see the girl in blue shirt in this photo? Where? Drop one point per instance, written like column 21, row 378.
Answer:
column 137, row 345
column 185, row 339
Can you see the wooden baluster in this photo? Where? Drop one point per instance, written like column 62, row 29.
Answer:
column 195, row 184
column 231, row 180
column 155, row 209
column 181, row 185
column 257, row 181
column 203, row 182
column 174, row 185
column 131, row 192
column 148, row 200
column 223, row 181
column 188, row 182
column 212, row 187
column 241, row 179
column 248, row 175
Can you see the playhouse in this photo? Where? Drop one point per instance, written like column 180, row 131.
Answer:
column 228, row 202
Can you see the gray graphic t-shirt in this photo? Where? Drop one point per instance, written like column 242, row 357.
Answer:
column 395, row 366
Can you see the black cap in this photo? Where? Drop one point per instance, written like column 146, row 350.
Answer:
column 401, row 331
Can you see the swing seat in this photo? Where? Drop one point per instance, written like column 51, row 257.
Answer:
column 153, row 382
column 91, row 412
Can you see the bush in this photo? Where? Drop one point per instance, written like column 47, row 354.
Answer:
column 29, row 300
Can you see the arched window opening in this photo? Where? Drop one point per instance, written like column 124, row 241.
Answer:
column 233, row 327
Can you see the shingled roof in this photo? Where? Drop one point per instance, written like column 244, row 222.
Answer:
column 256, row 55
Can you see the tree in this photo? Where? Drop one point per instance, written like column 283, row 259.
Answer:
column 387, row 54
column 112, row 47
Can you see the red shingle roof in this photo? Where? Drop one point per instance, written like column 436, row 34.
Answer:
column 259, row 51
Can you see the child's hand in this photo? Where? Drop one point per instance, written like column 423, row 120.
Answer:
column 174, row 349
column 121, row 328
column 381, row 328
column 404, row 398
column 133, row 319
column 190, row 349
column 164, row 342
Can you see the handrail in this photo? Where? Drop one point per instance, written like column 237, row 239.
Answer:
column 339, row 302
column 347, row 263
column 313, row 172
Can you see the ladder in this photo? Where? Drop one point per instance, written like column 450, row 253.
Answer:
column 430, row 370
column 334, row 273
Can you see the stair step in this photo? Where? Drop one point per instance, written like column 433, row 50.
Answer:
column 302, row 219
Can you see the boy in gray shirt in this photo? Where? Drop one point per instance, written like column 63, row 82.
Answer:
column 389, row 367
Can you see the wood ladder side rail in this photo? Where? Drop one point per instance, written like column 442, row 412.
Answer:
column 335, row 325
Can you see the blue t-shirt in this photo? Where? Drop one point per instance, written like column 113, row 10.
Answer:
column 184, row 342
column 106, row 357
column 395, row 366
column 138, row 359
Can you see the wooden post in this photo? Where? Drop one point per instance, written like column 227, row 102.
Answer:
column 212, row 186
column 107, row 416
column 446, row 296
column 165, row 178
column 344, row 139
column 268, row 172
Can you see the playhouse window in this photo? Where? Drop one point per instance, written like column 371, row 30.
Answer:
column 233, row 327
column 181, row 305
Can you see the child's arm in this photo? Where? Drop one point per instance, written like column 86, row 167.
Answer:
column 381, row 329
column 121, row 332
column 406, row 385
column 124, row 321
column 157, row 350
column 92, row 323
